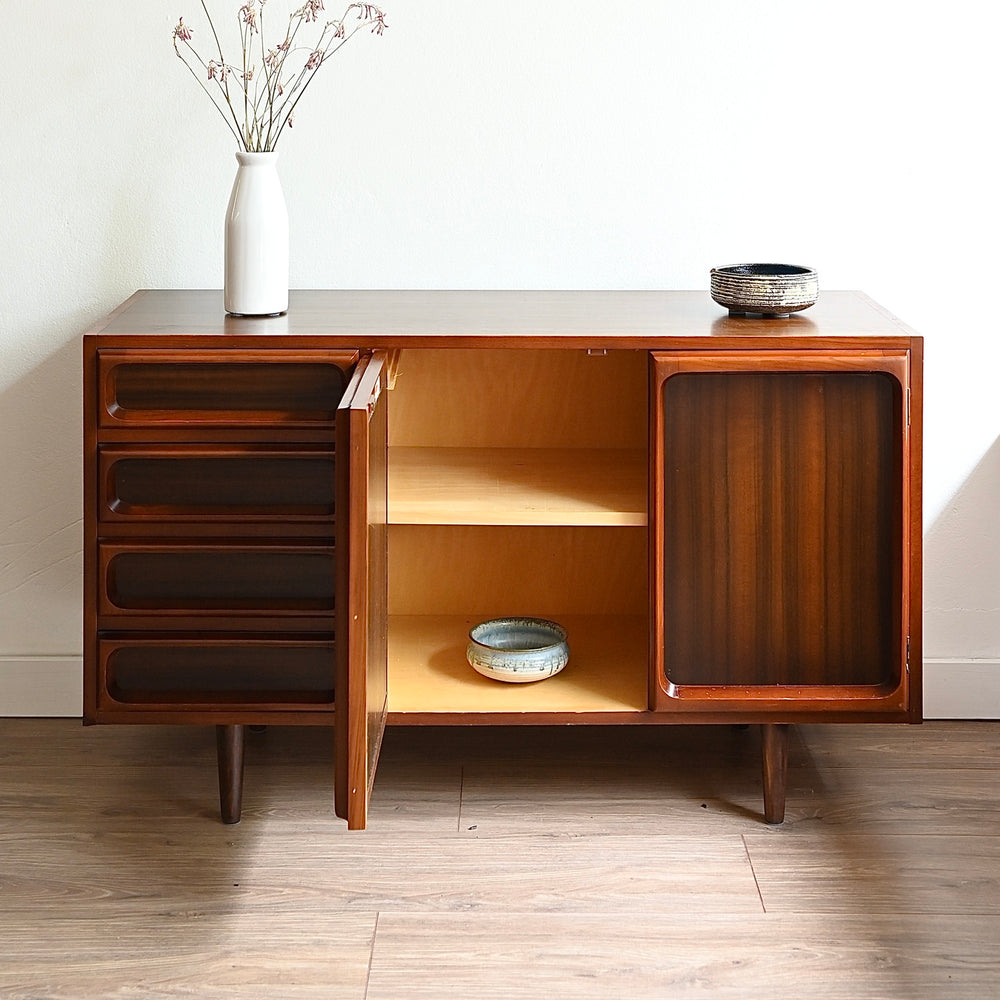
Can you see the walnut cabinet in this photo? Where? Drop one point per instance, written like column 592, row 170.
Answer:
column 296, row 520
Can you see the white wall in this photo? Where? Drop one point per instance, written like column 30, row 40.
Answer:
column 510, row 143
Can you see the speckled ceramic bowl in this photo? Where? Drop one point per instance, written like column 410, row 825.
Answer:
column 518, row 650
column 764, row 289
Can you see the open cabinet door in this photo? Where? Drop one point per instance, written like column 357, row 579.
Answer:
column 362, row 551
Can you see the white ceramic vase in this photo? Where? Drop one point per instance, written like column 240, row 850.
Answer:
column 256, row 239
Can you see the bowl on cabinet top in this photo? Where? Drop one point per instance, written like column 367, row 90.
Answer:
column 518, row 650
column 764, row 289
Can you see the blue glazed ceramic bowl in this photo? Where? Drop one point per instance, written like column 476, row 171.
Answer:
column 518, row 650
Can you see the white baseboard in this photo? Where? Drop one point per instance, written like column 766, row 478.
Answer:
column 52, row 686
column 41, row 686
column 961, row 689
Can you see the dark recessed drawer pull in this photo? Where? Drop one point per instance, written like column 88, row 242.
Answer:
column 225, row 671
column 217, row 580
column 187, row 387
column 179, row 483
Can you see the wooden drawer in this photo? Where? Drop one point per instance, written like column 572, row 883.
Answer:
column 214, row 581
column 220, row 484
column 221, row 388
column 225, row 672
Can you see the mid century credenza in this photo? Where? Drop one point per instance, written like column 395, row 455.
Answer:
column 297, row 519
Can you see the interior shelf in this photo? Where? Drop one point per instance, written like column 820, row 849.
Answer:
column 428, row 672
column 568, row 486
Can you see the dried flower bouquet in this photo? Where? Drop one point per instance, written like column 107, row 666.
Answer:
column 257, row 98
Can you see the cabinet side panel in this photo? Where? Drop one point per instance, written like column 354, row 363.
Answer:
column 90, row 568
column 781, row 540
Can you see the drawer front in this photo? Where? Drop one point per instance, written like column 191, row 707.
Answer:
column 226, row 485
column 225, row 672
column 139, row 580
column 221, row 388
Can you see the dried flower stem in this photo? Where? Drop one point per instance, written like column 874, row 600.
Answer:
column 280, row 76
column 286, row 118
column 201, row 84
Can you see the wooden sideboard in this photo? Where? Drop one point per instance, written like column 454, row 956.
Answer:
column 296, row 520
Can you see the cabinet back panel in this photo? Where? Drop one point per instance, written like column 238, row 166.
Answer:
column 519, row 399
column 782, row 510
column 498, row 570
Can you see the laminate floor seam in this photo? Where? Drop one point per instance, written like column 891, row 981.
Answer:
column 371, row 955
column 760, row 895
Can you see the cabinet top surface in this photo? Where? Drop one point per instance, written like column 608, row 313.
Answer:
column 623, row 319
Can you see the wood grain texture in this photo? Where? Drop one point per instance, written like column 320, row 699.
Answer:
column 519, row 398
column 781, row 508
column 429, row 672
column 235, row 955
column 593, row 869
column 774, row 766
column 517, row 486
column 187, row 445
column 244, row 670
column 362, row 587
column 493, row 570
column 878, row 873
column 219, row 484
column 512, row 373
column 214, row 580
column 601, row 319
column 930, row 799
column 230, row 744
column 586, row 957
column 171, row 388
column 940, row 745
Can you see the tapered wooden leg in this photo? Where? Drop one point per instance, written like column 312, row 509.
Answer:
column 774, row 743
column 230, row 743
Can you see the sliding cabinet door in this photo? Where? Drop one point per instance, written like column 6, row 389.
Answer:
column 781, row 565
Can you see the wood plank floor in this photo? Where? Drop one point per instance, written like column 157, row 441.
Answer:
column 517, row 863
